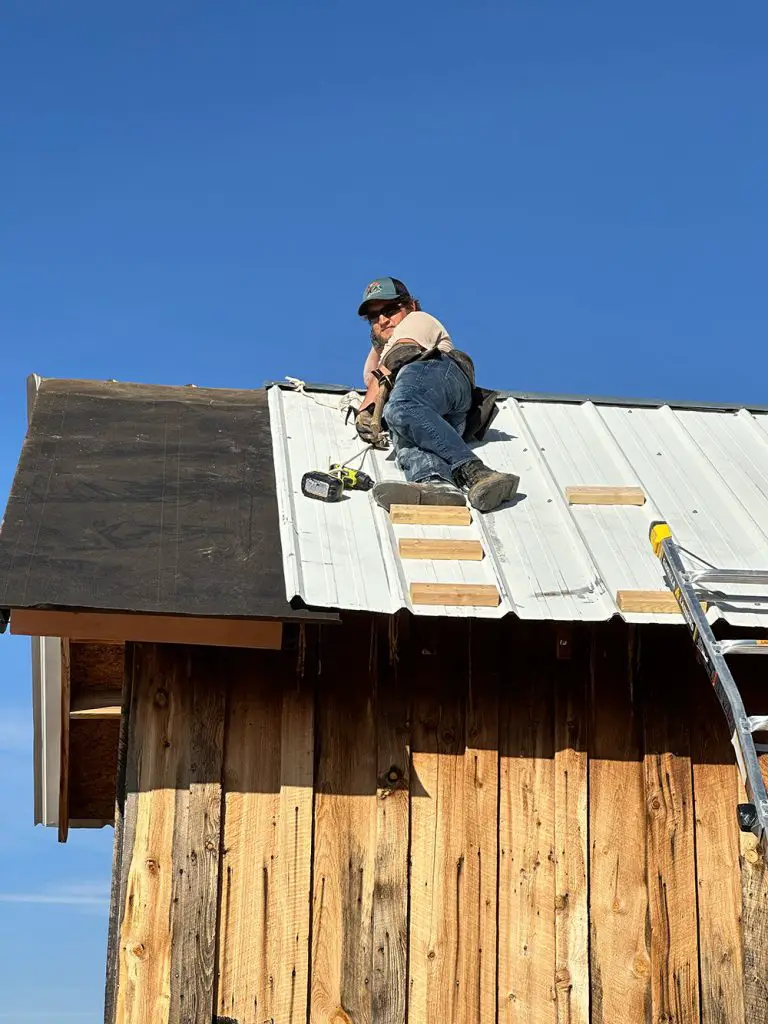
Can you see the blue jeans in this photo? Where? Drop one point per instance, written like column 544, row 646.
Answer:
column 425, row 416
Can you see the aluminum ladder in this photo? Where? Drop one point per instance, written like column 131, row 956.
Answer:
column 688, row 586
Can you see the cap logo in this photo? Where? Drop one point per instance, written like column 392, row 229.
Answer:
column 373, row 287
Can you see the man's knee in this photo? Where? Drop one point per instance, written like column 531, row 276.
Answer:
column 399, row 411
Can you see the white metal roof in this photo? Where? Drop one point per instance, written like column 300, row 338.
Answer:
column 704, row 471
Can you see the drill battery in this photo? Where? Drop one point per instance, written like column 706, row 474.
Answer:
column 330, row 486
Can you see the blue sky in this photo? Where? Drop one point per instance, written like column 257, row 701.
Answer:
column 198, row 193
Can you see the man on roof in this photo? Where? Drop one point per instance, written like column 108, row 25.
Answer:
column 432, row 406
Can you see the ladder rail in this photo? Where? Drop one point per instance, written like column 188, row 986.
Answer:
column 713, row 658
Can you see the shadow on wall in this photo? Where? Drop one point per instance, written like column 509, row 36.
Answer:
column 378, row 705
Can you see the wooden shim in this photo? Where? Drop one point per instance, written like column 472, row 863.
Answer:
column 582, row 495
column 430, row 515
column 455, row 550
column 158, row 755
column 437, row 940
column 475, row 595
column 716, row 793
column 571, row 827
column 196, row 852
column 66, row 698
column 344, row 833
column 619, row 960
column 660, row 602
column 390, row 892
column 665, row 667
column 169, row 629
column 96, row 704
column 263, row 942
column 526, row 840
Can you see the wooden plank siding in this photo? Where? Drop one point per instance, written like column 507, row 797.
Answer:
column 618, row 891
column 571, row 828
column 344, row 832
column 393, row 772
column 263, row 959
column 527, row 836
column 406, row 820
column 670, row 830
column 718, row 878
column 754, row 868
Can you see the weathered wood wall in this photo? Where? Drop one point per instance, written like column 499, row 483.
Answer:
column 431, row 821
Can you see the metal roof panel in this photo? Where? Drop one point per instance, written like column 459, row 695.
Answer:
column 704, row 471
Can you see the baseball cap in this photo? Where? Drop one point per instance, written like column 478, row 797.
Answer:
column 383, row 289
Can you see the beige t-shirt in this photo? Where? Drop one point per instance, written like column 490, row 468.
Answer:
column 422, row 328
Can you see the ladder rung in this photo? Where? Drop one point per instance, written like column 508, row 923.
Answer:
column 700, row 577
column 761, row 748
column 758, row 723
column 743, row 646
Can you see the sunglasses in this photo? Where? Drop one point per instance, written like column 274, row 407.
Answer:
column 385, row 311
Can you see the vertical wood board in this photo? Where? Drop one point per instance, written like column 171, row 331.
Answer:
column 158, row 766
column 294, row 856
column 437, row 941
column 754, row 869
column 716, row 793
column 571, row 831
column 251, row 814
column 526, row 840
column 264, row 922
column 665, row 668
column 390, row 891
column 478, row 909
column 618, row 900
column 197, row 831
column 122, row 846
column 344, row 833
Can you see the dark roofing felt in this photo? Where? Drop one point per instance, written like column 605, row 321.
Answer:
column 144, row 498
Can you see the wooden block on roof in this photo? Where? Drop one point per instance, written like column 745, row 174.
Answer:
column 430, row 515
column 582, row 495
column 474, row 595
column 459, row 550
column 654, row 601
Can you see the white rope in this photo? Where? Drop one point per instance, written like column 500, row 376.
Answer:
column 340, row 404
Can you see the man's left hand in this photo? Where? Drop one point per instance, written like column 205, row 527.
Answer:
column 364, row 427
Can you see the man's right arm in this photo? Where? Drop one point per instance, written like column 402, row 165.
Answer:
column 371, row 363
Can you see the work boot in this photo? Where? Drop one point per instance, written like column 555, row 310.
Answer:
column 434, row 491
column 485, row 487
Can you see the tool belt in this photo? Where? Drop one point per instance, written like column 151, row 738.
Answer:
column 482, row 411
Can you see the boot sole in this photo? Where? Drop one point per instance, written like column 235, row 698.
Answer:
column 494, row 493
column 399, row 492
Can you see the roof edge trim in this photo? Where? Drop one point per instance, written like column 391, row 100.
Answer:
column 536, row 396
